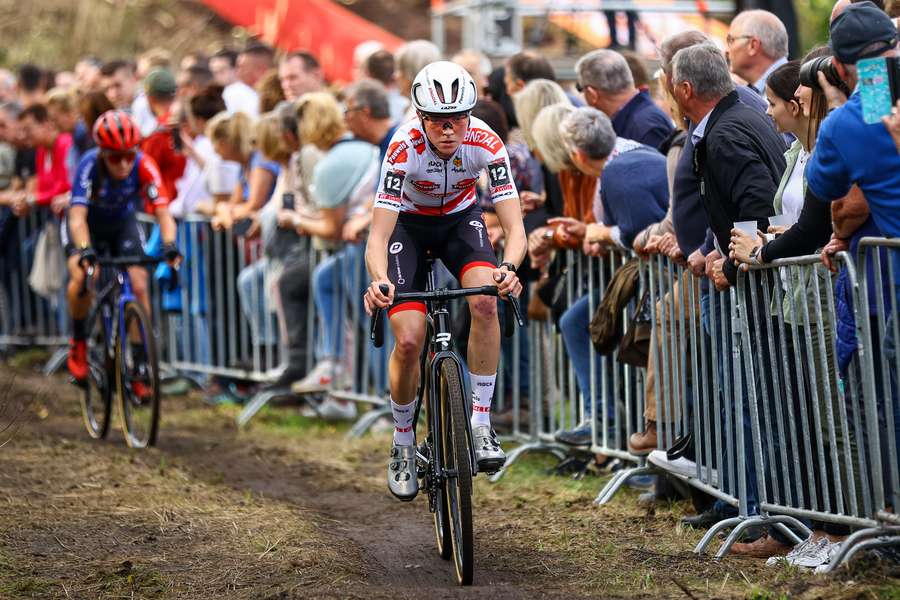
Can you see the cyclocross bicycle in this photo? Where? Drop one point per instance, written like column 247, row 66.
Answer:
column 121, row 346
column 445, row 459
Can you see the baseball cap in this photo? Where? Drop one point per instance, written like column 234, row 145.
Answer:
column 160, row 82
column 862, row 31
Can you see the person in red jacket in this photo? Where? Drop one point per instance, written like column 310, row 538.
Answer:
column 51, row 157
column 162, row 144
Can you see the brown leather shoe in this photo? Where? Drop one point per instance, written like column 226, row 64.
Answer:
column 764, row 547
column 643, row 442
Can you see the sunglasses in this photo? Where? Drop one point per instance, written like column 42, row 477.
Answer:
column 731, row 39
column 120, row 157
column 456, row 119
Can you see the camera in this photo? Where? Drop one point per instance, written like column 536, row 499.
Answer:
column 809, row 74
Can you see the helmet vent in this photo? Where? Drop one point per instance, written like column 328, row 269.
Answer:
column 455, row 89
column 439, row 89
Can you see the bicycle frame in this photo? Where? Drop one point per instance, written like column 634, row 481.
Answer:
column 115, row 295
column 438, row 349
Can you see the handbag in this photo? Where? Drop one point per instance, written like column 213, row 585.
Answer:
column 634, row 348
column 46, row 276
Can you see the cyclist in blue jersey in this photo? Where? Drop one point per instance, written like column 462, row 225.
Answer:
column 113, row 181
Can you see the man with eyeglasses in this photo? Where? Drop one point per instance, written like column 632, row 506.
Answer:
column 426, row 201
column 113, row 181
column 756, row 45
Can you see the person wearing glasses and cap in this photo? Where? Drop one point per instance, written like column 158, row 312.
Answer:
column 427, row 201
column 112, row 183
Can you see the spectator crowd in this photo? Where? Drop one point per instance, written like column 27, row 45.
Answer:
column 662, row 163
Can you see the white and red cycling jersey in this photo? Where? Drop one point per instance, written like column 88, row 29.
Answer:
column 415, row 180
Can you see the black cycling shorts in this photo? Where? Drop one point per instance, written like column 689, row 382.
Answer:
column 121, row 238
column 460, row 241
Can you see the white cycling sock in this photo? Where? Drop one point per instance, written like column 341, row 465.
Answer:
column 483, row 392
column 403, row 418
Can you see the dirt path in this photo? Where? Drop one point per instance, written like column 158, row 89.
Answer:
column 289, row 509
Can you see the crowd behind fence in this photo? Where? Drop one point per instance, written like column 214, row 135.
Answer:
column 756, row 404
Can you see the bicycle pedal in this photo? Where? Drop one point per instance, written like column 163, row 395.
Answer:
column 79, row 383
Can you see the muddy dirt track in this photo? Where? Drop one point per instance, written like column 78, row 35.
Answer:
column 289, row 509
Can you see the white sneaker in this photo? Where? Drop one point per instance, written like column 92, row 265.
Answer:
column 320, row 379
column 680, row 466
column 332, row 410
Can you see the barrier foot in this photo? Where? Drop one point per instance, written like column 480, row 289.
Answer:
column 781, row 523
column 618, row 480
column 736, row 533
column 256, row 403
column 56, row 361
column 366, row 421
column 860, row 541
column 554, row 449
column 714, row 531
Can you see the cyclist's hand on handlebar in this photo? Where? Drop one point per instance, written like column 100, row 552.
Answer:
column 172, row 255
column 87, row 257
column 375, row 298
column 507, row 282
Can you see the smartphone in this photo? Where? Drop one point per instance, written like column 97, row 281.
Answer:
column 287, row 201
column 176, row 138
column 879, row 87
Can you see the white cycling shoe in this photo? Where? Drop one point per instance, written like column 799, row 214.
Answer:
column 401, row 472
column 488, row 453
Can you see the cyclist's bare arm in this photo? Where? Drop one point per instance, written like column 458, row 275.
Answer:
column 78, row 228
column 167, row 227
column 383, row 222
column 509, row 212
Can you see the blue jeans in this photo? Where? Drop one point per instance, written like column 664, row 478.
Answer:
column 573, row 326
column 251, row 284
column 725, row 341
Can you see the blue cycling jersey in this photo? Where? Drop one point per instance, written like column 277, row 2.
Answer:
column 116, row 200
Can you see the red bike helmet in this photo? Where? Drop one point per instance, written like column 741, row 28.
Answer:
column 115, row 130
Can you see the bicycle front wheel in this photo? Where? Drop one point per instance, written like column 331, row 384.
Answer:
column 137, row 377
column 436, row 491
column 96, row 395
column 458, row 468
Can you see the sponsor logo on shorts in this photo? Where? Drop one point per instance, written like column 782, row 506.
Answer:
column 476, row 224
column 396, row 248
column 400, row 279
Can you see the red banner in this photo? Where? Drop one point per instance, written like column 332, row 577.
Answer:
column 329, row 31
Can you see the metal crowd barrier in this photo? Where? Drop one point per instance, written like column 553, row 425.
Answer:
column 782, row 429
column 555, row 403
column 27, row 319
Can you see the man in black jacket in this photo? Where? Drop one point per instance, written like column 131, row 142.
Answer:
column 738, row 158
column 738, row 155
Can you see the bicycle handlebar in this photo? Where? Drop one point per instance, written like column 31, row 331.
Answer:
column 116, row 261
column 509, row 322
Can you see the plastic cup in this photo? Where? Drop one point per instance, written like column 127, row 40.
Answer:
column 748, row 227
column 780, row 221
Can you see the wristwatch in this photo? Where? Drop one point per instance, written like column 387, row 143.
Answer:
column 755, row 255
column 509, row 266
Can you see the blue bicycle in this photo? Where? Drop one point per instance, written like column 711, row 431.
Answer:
column 121, row 348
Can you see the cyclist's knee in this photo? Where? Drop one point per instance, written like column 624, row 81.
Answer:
column 138, row 283
column 483, row 308
column 409, row 344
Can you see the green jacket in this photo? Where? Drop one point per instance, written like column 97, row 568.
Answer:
column 797, row 285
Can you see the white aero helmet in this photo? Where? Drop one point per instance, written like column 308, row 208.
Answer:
column 444, row 87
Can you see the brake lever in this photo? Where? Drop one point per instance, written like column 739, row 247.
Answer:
column 377, row 332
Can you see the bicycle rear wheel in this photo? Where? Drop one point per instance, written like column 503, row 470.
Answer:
column 96, row 395
column 137, row 377
column 457, row 463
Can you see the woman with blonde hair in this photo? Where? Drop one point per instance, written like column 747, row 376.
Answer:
column 233, row 138
column 344, row 182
